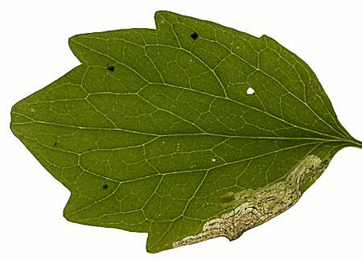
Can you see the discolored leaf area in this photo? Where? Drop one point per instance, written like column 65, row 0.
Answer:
column 187, row 132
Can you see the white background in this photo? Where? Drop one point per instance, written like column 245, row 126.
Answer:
column 325, row 223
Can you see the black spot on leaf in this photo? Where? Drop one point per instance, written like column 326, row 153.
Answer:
column 194, row 35
column 105, row 186
column 110, row 68
column 55, row 144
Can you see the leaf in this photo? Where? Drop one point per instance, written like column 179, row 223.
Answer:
column 187, row 132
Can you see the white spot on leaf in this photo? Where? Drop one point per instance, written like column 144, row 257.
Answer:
column 250, row 91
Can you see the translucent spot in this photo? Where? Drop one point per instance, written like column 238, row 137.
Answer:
column 213, row 160
column 32, row 110
column 250, row 91
column 227, row 198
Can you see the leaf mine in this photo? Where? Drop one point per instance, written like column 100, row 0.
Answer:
column 254, row 207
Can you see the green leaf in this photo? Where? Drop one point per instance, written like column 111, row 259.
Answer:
column 187, row 132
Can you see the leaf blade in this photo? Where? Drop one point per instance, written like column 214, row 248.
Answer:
column 155, row 130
